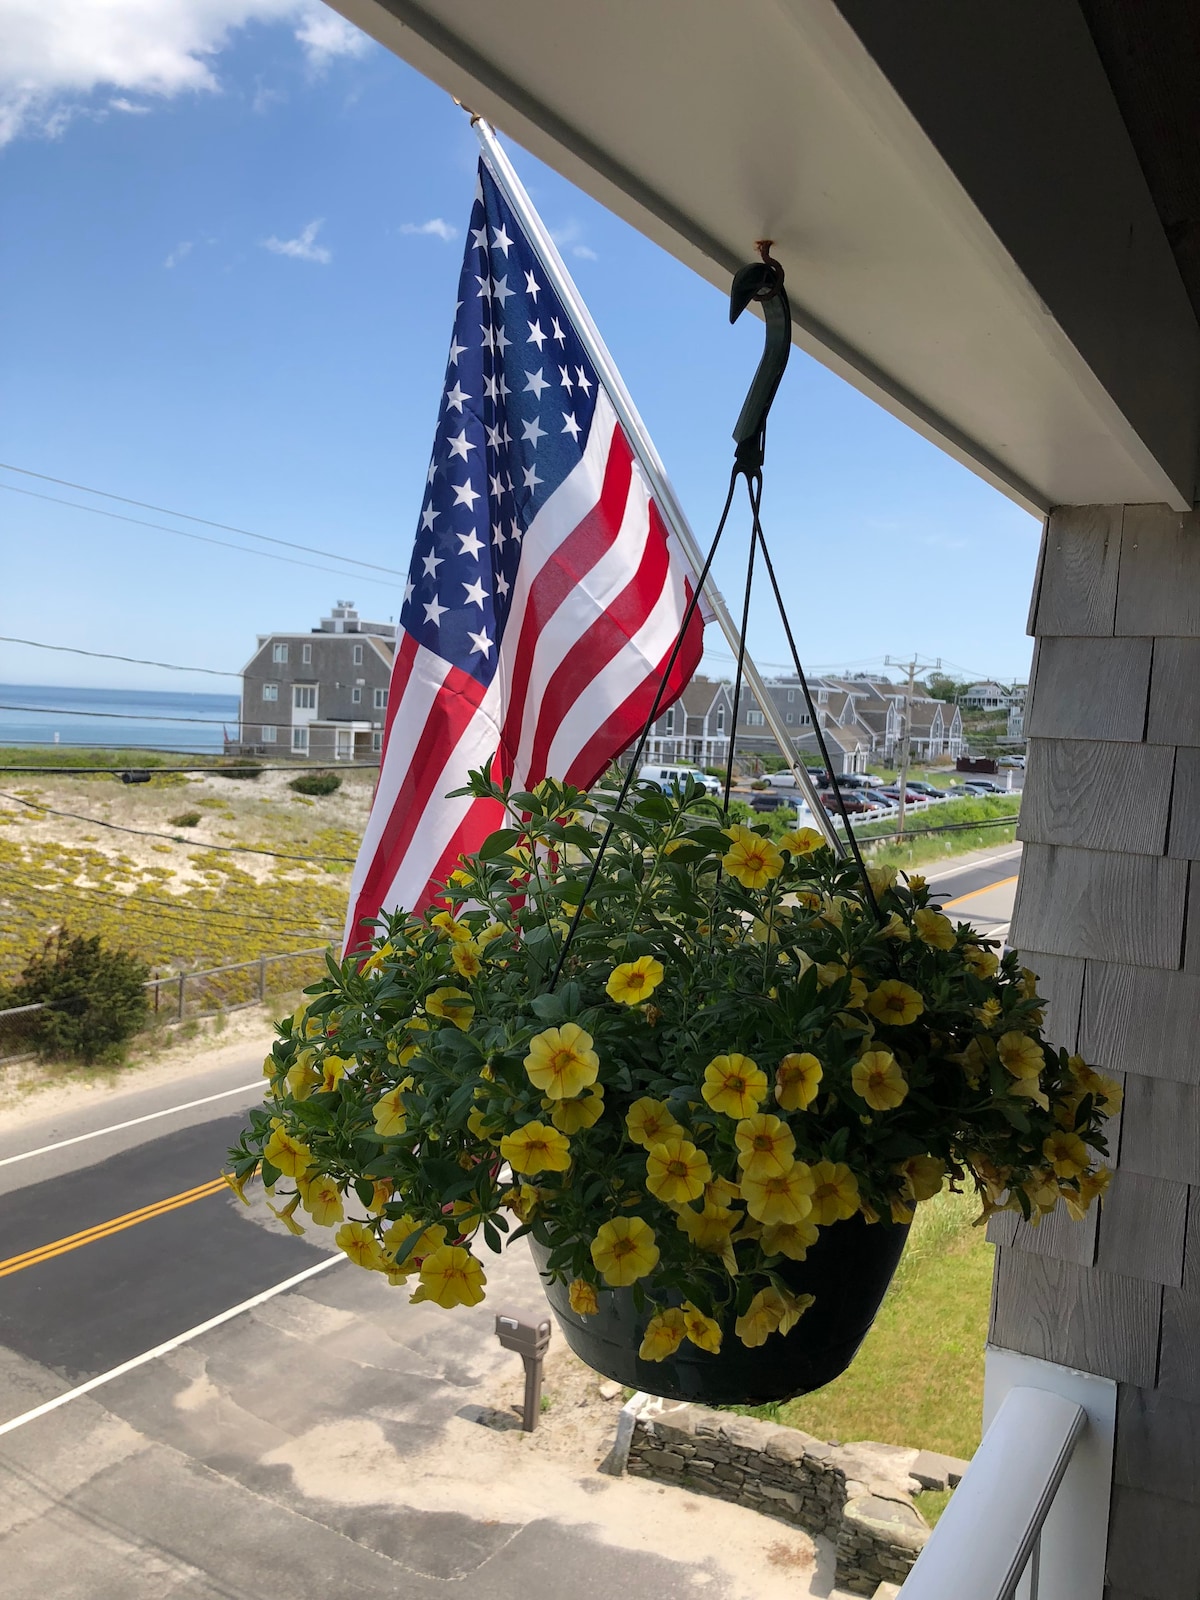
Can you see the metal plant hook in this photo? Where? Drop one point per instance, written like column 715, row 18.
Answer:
column 761, row 281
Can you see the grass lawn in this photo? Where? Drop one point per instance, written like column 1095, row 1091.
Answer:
column 918, row 1379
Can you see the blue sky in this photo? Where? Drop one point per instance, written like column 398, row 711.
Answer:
column 215, row 296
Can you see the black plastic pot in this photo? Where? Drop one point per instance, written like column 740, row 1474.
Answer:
column 848, row 1271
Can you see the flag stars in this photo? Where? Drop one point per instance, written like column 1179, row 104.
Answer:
column 495, row 487
column 435, row 612
column 492, row 431
column 501, row 291
column 497, row 536
column 474, row 593
column 431, row 563
column 479, row 238
column 536, row 336
column 481, row 644
column 485, row 287
column 465, row 495
column 428, row 517
column 502, row 587
column 564, row 378
column 536, row 383
column 489, row 393
column 570, row 425
column 460, row 445
column 559, row 336
column 456, row 350
column 502, row 340
column 470, row 544
column 531, row 478
column 532, row 431
column 455, row 398
column 532, row 287
column 581, row 379
column 501, row 241
column 408, row 590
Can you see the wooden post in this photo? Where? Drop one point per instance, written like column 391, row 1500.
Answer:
column 1110, row 887
column 262, row 978
column 182, row 981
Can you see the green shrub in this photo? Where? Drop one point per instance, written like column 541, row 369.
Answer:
column 185, row 819
column 241, row 769
column 94, row 998
column 316, row 783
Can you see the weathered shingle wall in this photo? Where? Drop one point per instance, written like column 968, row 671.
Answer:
column 1108, row 912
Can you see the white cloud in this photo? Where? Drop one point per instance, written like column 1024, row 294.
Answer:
column 584, row 252
column 302, row 248
column 128, row 107
column 324, row 36
column 569, row 239
column 177, row 255
column 58, row 52
column 437, row 227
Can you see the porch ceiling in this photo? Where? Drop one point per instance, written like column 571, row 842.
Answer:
column 968, row 233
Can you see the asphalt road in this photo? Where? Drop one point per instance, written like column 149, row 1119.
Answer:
column 117, row 1237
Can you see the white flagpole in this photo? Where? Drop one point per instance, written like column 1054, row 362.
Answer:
column 647, row 455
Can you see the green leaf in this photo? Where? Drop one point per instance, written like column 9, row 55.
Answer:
column 499, row 843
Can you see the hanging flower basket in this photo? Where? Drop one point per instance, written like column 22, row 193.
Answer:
column 712, row 1098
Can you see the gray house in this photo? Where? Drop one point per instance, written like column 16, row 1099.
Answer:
column 321, row 695
column 695, row 730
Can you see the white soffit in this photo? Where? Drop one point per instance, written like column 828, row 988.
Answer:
column 708, row 125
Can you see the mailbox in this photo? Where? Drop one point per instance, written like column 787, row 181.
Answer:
column 530, row 1339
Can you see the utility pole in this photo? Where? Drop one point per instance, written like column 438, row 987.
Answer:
column 906, row 730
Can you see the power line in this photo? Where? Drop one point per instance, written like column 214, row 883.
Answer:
column 161, row 527
column 211, row 771
column 175, row 838
column 185, row 516
column 180, row 907
column 105, row 655
column 134, row 716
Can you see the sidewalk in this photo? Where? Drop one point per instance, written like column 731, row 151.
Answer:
column 324, row 1447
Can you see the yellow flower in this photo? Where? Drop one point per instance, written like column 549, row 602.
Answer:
column 291, row 1155
column 377, row 957
column 772, row 1310
column 916, row 882
column 802, row 841
column 286, row 1215
column 902, row 1210
column 634, row 980
column 877, row 1079
column 450, row 1276
column 381, row 1193
column 752, row 859
column 649, row 1122
column 624, row 1251
column 303, row 1077
column 881, row 879
column 896, row 928
column 834, row 1192
column 270, row 1067
column 1021, row 1055
column 708, row 1229
column 734, row 1085
column 1107, row 1092
column 479, row 1125
column 536, row 1148
column 988, row 1012
column 358, row 1241
column 429, row 1238
column 663, row 1336
column 584, row 1300
column 895, row 1002
column 780, row 1197
column 450, row 928
column 561, row 1061
column 934, row 929
column 676, row 1171
column 465, row 955
column 1067, row 1154
column 797, row 1078
column 388, row 1111
column 494, row 930
column 238, row 1185
column 333, row 1070
column 704, row 1332
column 1091, row 1187
column 452, row 1005
column 983, row 963
column 923, row 1176
column 320, row 1198
column 569, row 1116
column 790, row 1239
column 766, row 1146
column 721, row 1192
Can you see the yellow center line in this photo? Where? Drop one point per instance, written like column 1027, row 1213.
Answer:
column 103, row 1230
column 987, row 889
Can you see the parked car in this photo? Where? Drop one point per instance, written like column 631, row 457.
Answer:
column 912, row 796
column 1012, row 761
column 769, row 800
column 927, row 789
column 852, row 800
column 878, row 797
column 677, row 777
column 985, row 786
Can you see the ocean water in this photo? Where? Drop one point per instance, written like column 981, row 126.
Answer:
column 35, row 714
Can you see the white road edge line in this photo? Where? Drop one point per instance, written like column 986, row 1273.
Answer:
column 118, row 1127
column 971, row 866
column 164, row 1349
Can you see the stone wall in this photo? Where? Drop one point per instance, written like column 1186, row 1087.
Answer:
column 858, row 1495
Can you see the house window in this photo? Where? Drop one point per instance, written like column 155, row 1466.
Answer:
column 720, row 719
column 306, row 653
column 304, row 696
column 755, row 719
column 791, row 695
column 268, row 735
column 376, row 743
column 358, row 655
column 380, row 701
column 270, row 691
column 670, row 723
column 356, row 697
column 279, row 652
column 791, row 716
column 300, row 741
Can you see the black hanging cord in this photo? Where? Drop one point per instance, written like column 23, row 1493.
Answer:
column 757, row 536
column 741, row 662
column 635, row 759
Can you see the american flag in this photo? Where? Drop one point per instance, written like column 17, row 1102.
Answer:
column 545, row 591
